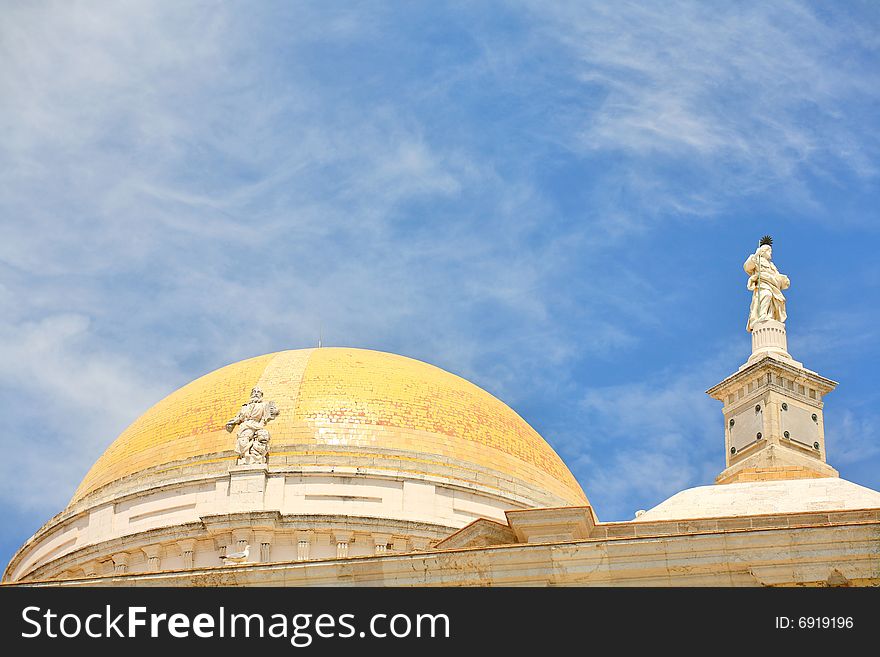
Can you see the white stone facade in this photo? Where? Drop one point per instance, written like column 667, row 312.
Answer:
column 286, row 516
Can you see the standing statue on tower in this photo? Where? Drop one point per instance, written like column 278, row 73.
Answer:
column 252, row 444
column 766, row 285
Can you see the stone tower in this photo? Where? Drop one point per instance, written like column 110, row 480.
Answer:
column 773, row 420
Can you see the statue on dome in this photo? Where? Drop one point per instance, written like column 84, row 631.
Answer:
column 252, row 443
column 766, row 285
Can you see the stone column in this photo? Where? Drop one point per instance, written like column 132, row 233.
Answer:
column 342, row 541
column 303, row 543
column 381, row 541
column 120, row 563
column 240, row 539
column 153, row 554
column 222, row 541
column 188, row 549
column 264, row 539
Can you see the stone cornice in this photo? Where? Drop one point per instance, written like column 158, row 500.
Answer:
column 768, row 550
column 736, row 379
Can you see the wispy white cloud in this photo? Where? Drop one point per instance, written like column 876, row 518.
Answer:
column 66, row 399
column 844, row 332
column 747, row 97
column 852, row 438
column 175, row 166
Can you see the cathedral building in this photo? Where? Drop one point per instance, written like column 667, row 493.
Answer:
column 338, row 466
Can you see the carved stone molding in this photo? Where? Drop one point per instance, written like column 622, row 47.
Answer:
column 153, row 554
column 342, row 539
column 381, row 542
column 120, row 563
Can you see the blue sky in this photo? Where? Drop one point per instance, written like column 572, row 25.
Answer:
column 553, row 200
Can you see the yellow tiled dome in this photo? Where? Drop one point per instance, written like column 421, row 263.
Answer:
column 360, row 402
